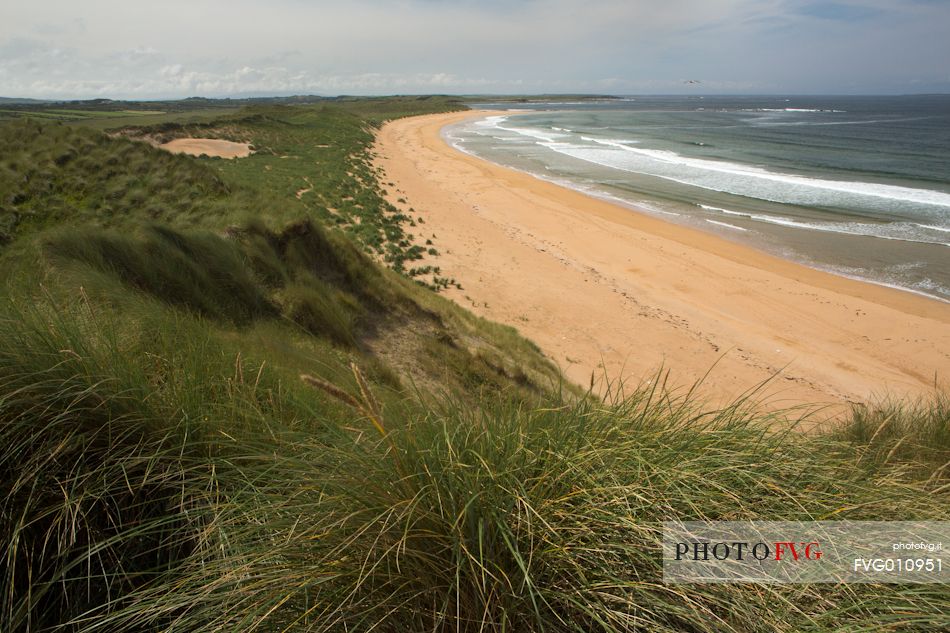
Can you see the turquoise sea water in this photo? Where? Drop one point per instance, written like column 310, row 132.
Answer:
column 859, row 186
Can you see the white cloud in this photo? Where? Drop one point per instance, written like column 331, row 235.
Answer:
column 179, row 48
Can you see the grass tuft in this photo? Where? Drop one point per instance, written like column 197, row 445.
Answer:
column 916, row 434
column 322, row 310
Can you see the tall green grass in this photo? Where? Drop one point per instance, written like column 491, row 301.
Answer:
column 914, row 433
column 521, row 519
column 181, row 489
column 104, row 465
column 52, row 174
column 323, row 310
column 141, row 448
column 198, row 270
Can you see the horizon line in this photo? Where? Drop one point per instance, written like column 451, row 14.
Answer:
column 587, row 95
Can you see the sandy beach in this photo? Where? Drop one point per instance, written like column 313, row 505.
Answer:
column 601, row 288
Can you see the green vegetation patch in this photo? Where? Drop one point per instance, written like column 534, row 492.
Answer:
column 52, row 174
column 201, row 271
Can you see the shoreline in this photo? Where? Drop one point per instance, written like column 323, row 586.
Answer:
column 631, row 206
column 610, row 289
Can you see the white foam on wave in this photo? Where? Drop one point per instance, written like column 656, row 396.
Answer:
column 491, row 121
column 721, row 210
column 900, row 231
column 458, row 143
column 542, row 135
column 793, row 110
column 726, row 224
column 610, row 142
column 919, row 288
column 553, row 135
column 778, row 123
column 638, row 205
column 701, row 167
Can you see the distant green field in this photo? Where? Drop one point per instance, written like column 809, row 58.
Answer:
column 148, row 117
column 40, row 114
column 101, row 113
column 78, row 114
column 104, row 119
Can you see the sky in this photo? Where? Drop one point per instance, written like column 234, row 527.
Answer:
column 128, row 49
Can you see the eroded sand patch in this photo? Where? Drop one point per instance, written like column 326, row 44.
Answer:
column 208, row 146
column 306, row 189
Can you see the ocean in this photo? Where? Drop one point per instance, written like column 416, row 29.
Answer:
column 858, row 186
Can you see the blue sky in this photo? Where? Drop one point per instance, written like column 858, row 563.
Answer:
column 180, row 48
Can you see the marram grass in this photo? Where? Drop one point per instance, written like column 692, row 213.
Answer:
column 134, row 499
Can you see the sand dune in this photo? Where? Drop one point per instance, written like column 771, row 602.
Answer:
column 209, row 146
column 602, row 288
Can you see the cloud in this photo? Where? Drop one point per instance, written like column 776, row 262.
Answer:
column 838, row 11
column 53, row 48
